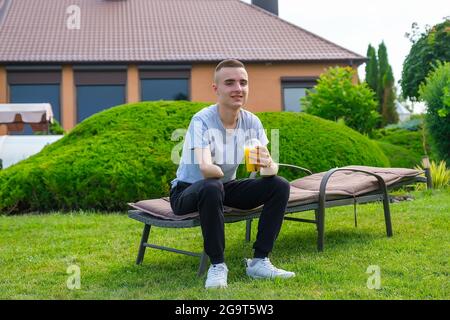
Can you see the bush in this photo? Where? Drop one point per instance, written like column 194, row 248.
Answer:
column 399, row 157
column 54, row 128
column 336, row 97
column 123, row 154
column 436, row 94
column 440, row 175
column 410, row 140
column 410, row 135
column 318, row 144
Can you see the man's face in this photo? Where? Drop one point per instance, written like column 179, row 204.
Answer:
column 231, row 87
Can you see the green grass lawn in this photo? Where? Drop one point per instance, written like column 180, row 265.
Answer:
column 36, row 250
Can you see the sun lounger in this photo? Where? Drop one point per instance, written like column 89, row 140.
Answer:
column 314, row 192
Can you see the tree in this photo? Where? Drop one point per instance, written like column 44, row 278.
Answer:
column 383, row 66
column 386, row 88
column 431, row 46
column 435, row 91
column 388, row 110
column 380, row 79
column 336, row 97
column 372, row 68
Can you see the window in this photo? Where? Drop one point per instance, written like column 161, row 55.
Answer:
column 35, row 87
column 164, row 85
column 164, row 89
column 293, row 89
column 93, row 99
column 98, row 90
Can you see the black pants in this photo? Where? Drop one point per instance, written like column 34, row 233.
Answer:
column 208, row 196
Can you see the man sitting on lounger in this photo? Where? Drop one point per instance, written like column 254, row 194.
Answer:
column 206, row 177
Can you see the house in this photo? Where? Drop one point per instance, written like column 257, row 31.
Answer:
column 403, row 113
column 83, row 56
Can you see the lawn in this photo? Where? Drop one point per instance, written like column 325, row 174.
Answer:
column 36, row 250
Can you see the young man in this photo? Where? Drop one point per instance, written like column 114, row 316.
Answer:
column 206, row 176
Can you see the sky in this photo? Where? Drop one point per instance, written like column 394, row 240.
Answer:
column 354, row 24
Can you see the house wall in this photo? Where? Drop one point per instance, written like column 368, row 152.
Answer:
column 265, row 93
column 3, row 85
column 133, row 86
column 264, row 78
column 68, row 104
column 3, row 95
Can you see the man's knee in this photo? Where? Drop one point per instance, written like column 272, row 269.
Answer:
column 212, row 187
column 280, row 184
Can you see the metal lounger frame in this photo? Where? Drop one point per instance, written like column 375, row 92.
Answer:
column 319, row 208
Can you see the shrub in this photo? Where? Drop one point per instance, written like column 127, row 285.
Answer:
column 411, row 135
column 318, row 144
column 436, row 94
column 440, row 175
column 410, row 140
column 399, row 157
column 54, row 128
column 335, row 97
column 123, row 154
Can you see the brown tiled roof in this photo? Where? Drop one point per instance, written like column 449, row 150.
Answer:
column 156, row 31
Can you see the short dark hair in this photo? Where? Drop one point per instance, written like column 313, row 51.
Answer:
column 229, row 63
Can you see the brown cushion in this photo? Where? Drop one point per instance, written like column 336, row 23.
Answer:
column 303, row 191
column 161, row 208
column 346, row 183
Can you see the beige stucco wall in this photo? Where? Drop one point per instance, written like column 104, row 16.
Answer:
column 264, row 82
column 68, row 103
column 3, row 85
column 133, row 84
column 3, row 95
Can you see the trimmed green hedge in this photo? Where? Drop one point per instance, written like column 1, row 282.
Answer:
column 123, row 154
column 411, row 140
column 319, row 144
column 400, row 157
column 411, row 144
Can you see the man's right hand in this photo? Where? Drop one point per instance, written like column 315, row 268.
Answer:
column 204, row 159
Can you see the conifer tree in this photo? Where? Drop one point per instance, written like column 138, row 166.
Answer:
column 380, row 78
column 389, row 112
column 372, row 68
column 383, row 66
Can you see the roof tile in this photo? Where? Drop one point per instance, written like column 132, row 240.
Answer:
column 156, row 31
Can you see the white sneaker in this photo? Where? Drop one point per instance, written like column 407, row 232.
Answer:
column 217, row 276
column 264, row 269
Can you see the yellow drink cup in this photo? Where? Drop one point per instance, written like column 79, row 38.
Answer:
column 250, row 146
column 249, row 166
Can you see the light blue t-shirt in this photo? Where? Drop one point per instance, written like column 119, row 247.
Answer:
column 226, row 145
